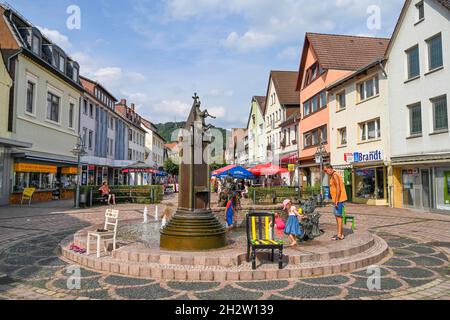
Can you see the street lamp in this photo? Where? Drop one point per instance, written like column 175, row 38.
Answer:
column 79, row 151
column 320, row 154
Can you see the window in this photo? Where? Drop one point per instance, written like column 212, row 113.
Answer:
column 323, row 99
column 75, row 74
column 130, row 154
column 91, row 139
column 413, row 62
column 112, row 123
column 368, row 88
column 435, row 59
column 85, row 107
column 314, row 104
column 342, row 137
column 52, row 107
column 91, row 110
column 420, row 11
column 84, row 137
column 62, row 64
column 130, row 135
column 440, row 117
column 36, row 45
column 306, row 108
column 370, row 130
column 415, row 119
column 30, row 97
column 340, row 99
column 71, row 115
column 313, row 72
column 107, row 146
column 315, row 137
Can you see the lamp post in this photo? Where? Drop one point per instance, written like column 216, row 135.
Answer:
column 320, row 154
column 79, row 151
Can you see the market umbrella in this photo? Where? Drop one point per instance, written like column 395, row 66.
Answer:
column 268, row 169
column 237, row 172
column 221, row 170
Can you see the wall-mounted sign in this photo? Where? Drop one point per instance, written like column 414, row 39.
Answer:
column 69, row 171
column 359, row 157
column 30, row 167
column 291, row 167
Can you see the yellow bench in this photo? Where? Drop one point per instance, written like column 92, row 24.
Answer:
column 27, row 195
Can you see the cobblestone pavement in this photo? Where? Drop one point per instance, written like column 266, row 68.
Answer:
column 30, row 267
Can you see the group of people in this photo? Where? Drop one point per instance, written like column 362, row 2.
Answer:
column 338, row 194
column 293, row 226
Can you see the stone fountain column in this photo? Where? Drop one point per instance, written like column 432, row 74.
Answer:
column 194, row 227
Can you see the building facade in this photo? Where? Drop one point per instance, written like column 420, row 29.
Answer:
column 326, row 59
column 44, row 104
column 136, row 145
column 155, row 154
column 359, row 129
column 237, row 150
column 419, row 76
column 105, row 136
column 289, row 147
column 256, row 132
column 281, row 103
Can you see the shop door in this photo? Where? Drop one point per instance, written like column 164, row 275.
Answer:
column 408, row 189
column 426, row 189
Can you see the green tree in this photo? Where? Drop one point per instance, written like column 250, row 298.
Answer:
column 171, row 168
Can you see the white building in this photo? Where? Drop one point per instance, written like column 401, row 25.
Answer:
column 419, row 77
column 44, row 108
column 154, row 145
column 359, row 123
column 282, row 101
column 256, row 132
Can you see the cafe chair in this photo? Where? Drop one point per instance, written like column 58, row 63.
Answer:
column 346, row 219
column 27, row 194
column 109, row 231
column 260, row 231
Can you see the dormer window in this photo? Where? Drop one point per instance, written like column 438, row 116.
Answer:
column 36, row 46
column 75, row 74
column 62, row 64
column 420, row 11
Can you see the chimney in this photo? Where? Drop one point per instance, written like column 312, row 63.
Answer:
column 132, row 107
column 123, row 102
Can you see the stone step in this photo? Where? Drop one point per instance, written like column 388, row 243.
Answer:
column 156, row 270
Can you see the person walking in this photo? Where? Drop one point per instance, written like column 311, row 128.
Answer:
column 339, row 197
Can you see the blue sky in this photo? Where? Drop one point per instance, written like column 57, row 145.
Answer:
column 156, row 53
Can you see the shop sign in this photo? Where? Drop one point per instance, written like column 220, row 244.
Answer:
column 31, row 167
column 360, row 157
column 69, row 170
column 291, row 168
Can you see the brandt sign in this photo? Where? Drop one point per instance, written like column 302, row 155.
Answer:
column 358, row 157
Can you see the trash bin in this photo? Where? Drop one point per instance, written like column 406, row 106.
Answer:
column 83, row 199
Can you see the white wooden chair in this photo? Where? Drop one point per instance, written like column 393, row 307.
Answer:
column 111, row 220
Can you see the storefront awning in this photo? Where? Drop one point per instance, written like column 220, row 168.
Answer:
column 421, row 159
column 11, row 143
column 289, row 159
column 44, row 157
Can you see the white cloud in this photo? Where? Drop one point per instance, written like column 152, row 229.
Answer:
column 58, row 38
column 290, row 54
column 219, row 112
column 249, row 40
column 267, row 23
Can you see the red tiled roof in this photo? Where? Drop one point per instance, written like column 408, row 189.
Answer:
column 261, row 102
column 285, row 83
column 341, row 52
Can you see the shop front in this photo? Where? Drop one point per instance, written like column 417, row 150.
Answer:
column 51, row 181
column 366, row 178
column 424, row 187
column 289, row 161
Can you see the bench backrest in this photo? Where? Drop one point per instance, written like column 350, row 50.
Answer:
column 28, row 192
column 111, row 219
column 260, row 226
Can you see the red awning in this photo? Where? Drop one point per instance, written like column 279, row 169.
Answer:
column 219, row 171
column 292, row 159
column 140, row 170
column 268, row 169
